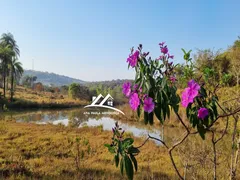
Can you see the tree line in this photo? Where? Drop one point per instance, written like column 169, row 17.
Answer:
column 221, row 67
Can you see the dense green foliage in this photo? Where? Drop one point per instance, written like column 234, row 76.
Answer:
column 78, row 91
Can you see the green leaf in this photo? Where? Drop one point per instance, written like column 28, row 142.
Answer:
column 195, row 119
column 168, row 111
column 164, row 111
column 146, row 117
column 184, row 51
column 139, row 111
column 152, row 81
column 165, row 107
column 107, row 145
column 203, row 92
column 150, row 118
column 128, row 141
column 134, row 161
column 111, row 149
column 188, row 111
column 214, row 107
column 121, row 166
column 175, row 108
column 128, row 167
column 133, row 150
column 157, row 112
column 201, row 131
column 116, row 158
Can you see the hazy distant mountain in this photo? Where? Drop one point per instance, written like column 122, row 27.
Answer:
column 51, row 78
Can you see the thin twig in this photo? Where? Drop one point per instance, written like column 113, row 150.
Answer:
column 214, row 157
column 143, row 143
column 180, row 119
column 238, row 98
column 224, row 115
column 214, row 142
column 158, row 140
column 224, row 132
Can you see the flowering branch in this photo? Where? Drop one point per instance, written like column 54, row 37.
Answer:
column 154, row 90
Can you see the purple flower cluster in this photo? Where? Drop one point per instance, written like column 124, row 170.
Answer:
column 163, row 48
column 164, row 51
column 126, row 89
column 148, row 105
column 133, row 58
column 134, row 101
column 188, row 96
column 135, row 98
column 190, row 93
column 202, row 113
column 173, row 79
column 170, row 56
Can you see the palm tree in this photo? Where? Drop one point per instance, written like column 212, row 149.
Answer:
column 9, row 49
column 6, row 53
column 16, row 72
column 8, row 39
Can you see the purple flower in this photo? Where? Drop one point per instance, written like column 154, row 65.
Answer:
column 193, row 85
column 202, row 113
column 170, row 56
column 132, row 59
column 148, row 104
column 161, row 44
column 134, row 101
column 164, row 50
column 126, row 89
column 190, row 93
column 172, row 79
column 136, row 88
column 160, row 58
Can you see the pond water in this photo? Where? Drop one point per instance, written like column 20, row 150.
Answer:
column 79, row 118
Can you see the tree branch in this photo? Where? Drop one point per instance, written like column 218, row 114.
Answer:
column 158, row 140
column 143, row 143
column 180, row 119
column 224, row 132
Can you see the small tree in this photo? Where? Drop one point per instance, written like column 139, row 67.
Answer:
column 73, row 90
column 38, row 87
column 78, row 91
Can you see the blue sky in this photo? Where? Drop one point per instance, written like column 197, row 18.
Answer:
column 90, row 40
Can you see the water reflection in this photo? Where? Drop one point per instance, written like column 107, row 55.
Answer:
column 79, row 118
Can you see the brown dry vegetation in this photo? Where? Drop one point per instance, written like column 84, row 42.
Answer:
column 28, row 98
column 48, row 151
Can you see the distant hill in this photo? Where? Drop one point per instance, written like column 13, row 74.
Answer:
column 51, row 78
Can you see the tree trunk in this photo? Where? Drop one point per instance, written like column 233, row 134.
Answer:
column 4, row 81
column 233, row 147
column 7, row 79
column 12, row 86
